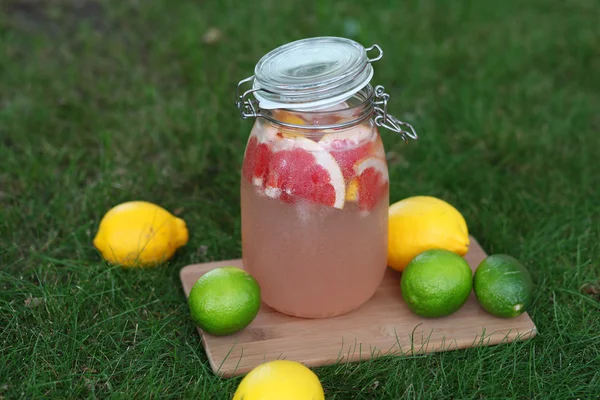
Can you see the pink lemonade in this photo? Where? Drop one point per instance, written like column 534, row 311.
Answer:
column 314, row 210
column 314, row 184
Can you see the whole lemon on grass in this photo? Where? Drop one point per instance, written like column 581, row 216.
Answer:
column 421, row 223
column 224, row 300
column 139, row 233
column 279, row 380
column 503, row 286
column 436, row 283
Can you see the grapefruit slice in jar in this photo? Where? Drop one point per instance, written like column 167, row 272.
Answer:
column 302, row 169
column 372, row 182
column 350, row 147
column 257, row 156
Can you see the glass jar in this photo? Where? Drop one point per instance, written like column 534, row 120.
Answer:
column 314, row 182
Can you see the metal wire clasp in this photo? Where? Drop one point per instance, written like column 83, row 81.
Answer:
column 378, row 57
column 248, row 107
column 385, row 120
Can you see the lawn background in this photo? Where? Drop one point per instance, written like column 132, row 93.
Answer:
column 107, row 101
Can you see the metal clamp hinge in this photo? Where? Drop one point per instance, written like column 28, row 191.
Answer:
column 385, row 120
column 248, row 107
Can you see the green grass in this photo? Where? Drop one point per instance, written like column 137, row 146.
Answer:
column 103, row 102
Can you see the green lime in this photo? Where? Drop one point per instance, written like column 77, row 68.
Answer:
column 436, row 283
column 224, row 301
column 503, row 286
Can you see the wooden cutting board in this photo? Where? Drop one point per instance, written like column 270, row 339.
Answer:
column 382, row 326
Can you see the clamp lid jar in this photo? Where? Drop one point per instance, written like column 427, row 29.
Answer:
column 314, row 182
column 315, row 74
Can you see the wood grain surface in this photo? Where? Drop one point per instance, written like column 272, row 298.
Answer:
column 384, row 326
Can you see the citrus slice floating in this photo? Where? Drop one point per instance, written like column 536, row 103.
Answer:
column 258, row 153
column 289, row 118
column 352, row 190
column 348, row 148
column 302, row 169
column 256, row 161
column 294, row 119
column 373, row 182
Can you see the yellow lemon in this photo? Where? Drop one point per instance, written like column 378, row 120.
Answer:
column 278, row 380
column 421, row 223
column 139, row 233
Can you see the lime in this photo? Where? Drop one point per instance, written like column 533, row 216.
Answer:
column 224, row 300
column 436, row 283
column 503, row 286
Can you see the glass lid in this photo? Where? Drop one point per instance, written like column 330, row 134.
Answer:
column 313, row 73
